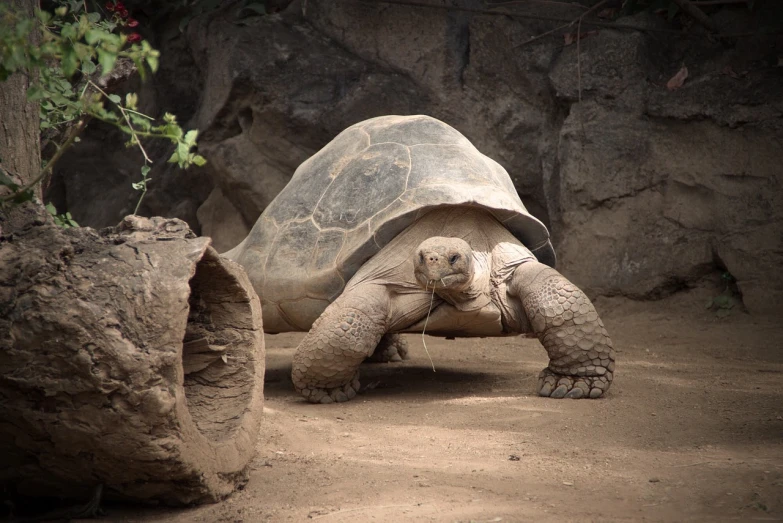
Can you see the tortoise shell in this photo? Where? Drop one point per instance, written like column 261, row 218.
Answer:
column 352, row 197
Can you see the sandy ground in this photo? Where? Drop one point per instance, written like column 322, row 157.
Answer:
column 692, row 430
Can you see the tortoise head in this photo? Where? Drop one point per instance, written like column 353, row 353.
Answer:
column 443, row 263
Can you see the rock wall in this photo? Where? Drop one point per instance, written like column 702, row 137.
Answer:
column 647, row 191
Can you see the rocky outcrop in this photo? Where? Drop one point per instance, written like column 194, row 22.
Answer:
column 647, row 191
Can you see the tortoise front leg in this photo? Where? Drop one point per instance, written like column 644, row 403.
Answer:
column 326, row 363
column 581, row 357
column 391, row 348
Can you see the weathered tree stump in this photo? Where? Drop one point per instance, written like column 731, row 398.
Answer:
column 133, row 357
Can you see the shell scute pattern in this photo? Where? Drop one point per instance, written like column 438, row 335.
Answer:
column 355, row 195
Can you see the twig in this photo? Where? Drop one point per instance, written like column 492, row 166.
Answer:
column 693, row 464
column 697, row 14
column 134, row 133
column 579, row 47
column 60, row 151
column 556, row 29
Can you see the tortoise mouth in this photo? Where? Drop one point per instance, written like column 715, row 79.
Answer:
column 454, row 281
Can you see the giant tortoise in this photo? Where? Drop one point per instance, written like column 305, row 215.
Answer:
column 400, row 221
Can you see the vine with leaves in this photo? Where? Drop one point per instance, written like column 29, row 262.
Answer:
column 70, row 72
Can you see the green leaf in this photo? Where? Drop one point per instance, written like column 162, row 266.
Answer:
column 173, row 131
column 145, row 169
column 88, row 67
column 69, row 62
column 140, row 122
column 190, row 137
column 139, row 186
column 152, row 61
column 43, row 16
column 93, row 36
column 174, row 158
column 115, row 98
column 131, row 99
column 199, row 160
column 35, row 92
column 107, row 60
column 182, row 151
column 51, row 208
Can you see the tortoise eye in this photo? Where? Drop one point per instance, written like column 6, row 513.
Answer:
column 453, row 259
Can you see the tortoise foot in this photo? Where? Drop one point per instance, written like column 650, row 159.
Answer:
column 332, row 394
column 392, row 348
column 553, row 385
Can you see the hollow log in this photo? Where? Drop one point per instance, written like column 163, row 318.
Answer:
column 132, row 357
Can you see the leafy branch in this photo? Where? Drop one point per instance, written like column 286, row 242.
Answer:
column 69, row 73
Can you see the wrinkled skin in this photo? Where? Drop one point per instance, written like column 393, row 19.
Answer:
column 500, row 284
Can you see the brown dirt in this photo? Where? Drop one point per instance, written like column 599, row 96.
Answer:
column 692, row 430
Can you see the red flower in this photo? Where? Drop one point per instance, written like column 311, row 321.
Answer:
column 134, row 37
column 122, row 12
column 110, row 7
column 119, row 6
column 132, row 22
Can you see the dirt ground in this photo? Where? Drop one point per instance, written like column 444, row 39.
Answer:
column 692, row 430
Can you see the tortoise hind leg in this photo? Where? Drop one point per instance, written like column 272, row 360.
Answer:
column 326, row 364
column 391, row 348
column 581, row 357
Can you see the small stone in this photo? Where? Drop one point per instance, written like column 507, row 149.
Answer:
column 514, row 457
column 568, row 483
column 654, row 480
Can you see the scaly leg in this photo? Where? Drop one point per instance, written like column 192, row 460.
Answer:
column 581, row 357
column 392, row 348
column 326, row 363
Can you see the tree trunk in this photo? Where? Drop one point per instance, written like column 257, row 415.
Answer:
column 132, row 358
column 20, row 151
